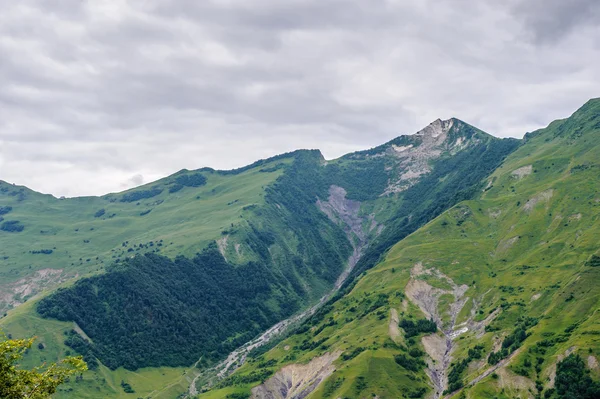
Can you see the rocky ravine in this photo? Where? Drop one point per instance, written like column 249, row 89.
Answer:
column 344, row 212
column 438, row 346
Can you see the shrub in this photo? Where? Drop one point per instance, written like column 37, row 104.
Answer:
column 594, row 261
column 142, row 194
column 193, row 180
column 412, row 329
column 5, row 209
column 12, row 226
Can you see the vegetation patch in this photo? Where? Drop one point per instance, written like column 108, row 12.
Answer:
column 138, row 318
column 5, row 209
column 412, row 329
column 514, row 340
column 12, row 226
column 42, row 251
column 191, row 180
column 594, row 261
column 573, row 380
column 141, row 194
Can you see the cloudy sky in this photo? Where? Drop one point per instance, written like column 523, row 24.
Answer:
column 101, row 95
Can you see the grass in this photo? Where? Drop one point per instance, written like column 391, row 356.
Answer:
column 81, row 243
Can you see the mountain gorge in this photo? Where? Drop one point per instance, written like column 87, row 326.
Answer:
column 448, row 263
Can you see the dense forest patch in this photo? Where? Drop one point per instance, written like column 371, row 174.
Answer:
column 137, row 318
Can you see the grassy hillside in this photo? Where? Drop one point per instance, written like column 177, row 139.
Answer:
column 510, row 277
column 64, row 238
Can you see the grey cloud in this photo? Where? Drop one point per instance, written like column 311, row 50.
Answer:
column 551, row 20
column 97, row 92
column 135, row 180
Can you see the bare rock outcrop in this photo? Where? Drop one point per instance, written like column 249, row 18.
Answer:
column 297, row 381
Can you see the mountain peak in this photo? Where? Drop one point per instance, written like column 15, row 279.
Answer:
column 436, row 128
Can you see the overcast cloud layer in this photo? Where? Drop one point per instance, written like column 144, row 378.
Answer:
column 98, row 96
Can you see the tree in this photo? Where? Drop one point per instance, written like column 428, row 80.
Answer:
column 38, row 383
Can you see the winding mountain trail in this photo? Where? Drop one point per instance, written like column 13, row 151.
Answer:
column 340, row 210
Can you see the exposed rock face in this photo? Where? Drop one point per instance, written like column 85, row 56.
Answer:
column 522, row 172
column 544, row 196
column 340, row 209
column 393, row 329
column 297, row 381
column 18, row 292
column 414, row 160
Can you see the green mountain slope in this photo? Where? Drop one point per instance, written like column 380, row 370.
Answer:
column 509, row 277
column 271, row 239
column 68, row 237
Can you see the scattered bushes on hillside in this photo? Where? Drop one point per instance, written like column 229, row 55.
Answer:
column 455, row 376
column 352, row 354
column 241, row 379
column 409, row 363
column 126, row 387
column 142, row 194
column 100, row 213
column 514, row 340
column 12, row 226
column 272, row 168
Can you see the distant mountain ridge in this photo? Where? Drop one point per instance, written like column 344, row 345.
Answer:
column 128, row 263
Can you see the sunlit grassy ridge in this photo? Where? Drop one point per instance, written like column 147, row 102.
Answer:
column 182, row 222
column 524, row 248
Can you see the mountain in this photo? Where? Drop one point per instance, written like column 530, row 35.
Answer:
column 496, row 297
column 150, row 283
